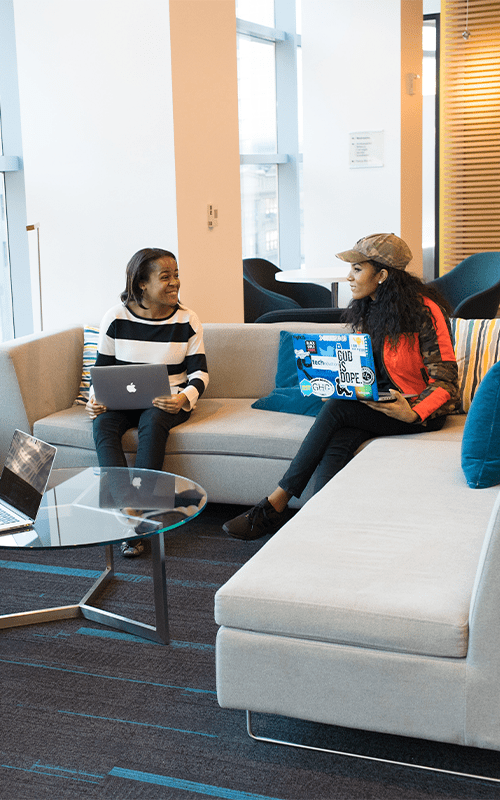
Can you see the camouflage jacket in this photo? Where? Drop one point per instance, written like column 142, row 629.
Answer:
column 425, row 366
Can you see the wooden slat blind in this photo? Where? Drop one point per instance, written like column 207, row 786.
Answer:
column 469, row 130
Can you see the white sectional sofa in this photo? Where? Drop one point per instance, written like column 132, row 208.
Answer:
column 377, row 605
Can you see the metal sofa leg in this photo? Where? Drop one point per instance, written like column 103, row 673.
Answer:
column 365, row 758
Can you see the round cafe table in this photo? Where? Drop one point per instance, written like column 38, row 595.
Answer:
column 102, row 506
column 327, row 275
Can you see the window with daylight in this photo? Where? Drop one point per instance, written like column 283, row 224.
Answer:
column 269, row 112
column 6, row 318
column 16, row 318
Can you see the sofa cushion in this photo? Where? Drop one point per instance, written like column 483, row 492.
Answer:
column 286, row 395
column 227, row 426
column 452, row 430
column 481, row 439
column 389, row 568
column 477, row 348
column 71, row 427
column 231, row 426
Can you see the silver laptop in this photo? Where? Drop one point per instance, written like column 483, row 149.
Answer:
column 23, row 480
column 122, row 387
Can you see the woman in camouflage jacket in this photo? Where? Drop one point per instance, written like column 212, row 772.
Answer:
column 409, row 326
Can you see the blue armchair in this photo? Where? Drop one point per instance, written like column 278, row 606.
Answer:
column 263, row 294
column 472, row 288
column 306, row 295
column 258, row 301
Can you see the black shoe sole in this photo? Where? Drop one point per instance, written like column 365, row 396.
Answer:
column 246, row 538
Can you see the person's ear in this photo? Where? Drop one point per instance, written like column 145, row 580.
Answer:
column 383, row 275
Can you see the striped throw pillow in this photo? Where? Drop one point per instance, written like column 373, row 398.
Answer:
column 90, row 340
column 477, row 348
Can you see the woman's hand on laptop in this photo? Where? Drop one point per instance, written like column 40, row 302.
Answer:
column 94, row 409
column 398, row 408
column 172, row 404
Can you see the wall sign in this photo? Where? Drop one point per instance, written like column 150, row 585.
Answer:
column 366, row 149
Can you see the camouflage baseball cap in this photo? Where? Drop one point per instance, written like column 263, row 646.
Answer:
column 384, row 248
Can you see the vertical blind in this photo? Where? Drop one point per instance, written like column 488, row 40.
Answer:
column 469, row 130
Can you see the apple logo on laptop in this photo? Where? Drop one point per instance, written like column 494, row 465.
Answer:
column 131, row 387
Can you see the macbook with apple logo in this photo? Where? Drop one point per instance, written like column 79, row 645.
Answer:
column 129, row 386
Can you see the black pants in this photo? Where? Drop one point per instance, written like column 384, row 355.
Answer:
column 153, row 426
column 339, row 429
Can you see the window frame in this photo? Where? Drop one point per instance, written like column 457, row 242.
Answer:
column 287, row 158
column 436, row 19
column 11, row 164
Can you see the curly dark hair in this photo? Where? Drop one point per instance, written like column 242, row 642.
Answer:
column 139, row 268
column 397, row 310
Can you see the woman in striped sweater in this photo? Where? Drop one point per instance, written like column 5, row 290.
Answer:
column 149, row 326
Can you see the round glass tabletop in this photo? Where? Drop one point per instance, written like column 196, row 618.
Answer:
column 102, row 505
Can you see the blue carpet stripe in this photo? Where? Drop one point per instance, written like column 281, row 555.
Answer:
column 128, row 637
column 188, row 786
column 106, row 677
column 94, row 574
column 141, row 724
column 57, row 772
column 78, row 573
column 210, row 561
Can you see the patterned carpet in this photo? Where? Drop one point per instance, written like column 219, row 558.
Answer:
column 88, row 712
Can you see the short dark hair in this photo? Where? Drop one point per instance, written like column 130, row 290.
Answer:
column 139, row 268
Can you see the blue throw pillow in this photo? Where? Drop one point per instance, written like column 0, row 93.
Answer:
column 286, row 396
column 481, row 439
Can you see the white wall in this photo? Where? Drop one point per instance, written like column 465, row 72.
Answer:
column 432, row 6
column 352, row 82
column 96, row 116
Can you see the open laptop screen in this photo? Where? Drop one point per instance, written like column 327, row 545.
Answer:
column 26, row 472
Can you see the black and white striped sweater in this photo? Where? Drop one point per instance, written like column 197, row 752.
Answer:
column 177, row 340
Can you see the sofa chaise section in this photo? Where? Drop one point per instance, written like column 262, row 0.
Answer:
column 368, row 609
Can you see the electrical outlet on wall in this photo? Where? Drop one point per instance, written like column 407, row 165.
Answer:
column 212, row 216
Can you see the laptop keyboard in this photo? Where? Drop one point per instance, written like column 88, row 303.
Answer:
column 7, row 516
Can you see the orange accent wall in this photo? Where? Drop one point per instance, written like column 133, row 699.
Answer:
column 411, row 130
column 207, row 163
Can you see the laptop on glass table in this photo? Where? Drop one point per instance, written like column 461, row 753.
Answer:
column 23, row 480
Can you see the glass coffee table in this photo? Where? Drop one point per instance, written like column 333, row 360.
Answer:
column 102, row 506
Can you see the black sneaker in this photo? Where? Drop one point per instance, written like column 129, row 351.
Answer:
column 256, row 522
